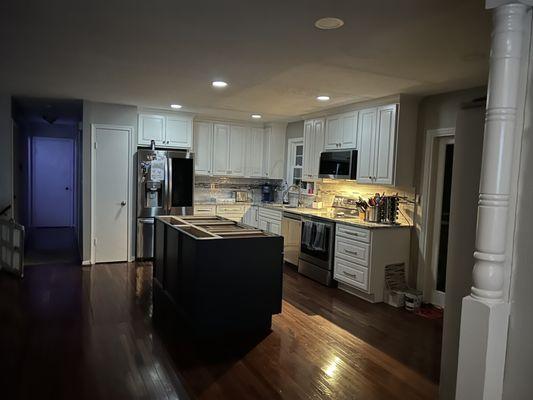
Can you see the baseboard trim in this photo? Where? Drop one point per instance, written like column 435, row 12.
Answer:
column 86, row 262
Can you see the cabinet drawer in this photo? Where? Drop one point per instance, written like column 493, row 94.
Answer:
column 353, row 232
column 230, row 209
column 351, row 274
column 204, row 210
column 271, row 214
column 352, row 250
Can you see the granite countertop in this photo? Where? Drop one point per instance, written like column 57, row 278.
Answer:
column 318, row 213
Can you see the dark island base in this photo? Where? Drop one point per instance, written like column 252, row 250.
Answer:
column 168, row 316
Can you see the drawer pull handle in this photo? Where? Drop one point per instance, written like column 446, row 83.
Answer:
column 348, row 274
column 351, row 252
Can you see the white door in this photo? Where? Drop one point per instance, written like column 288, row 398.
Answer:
column 221, row 149
column 365, row 156
column 333, row 131
column 348, row 134
column 52, row 182
column 203, row 140
column 151, row 127
column 111, row 173
column 237, row 146
column 262, row 224
column 275, row 227
column 255, row 153
column 178, row 132
column 385, row 145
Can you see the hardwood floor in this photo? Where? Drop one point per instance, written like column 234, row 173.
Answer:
column 73, row 333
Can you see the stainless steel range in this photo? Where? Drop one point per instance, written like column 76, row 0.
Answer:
column 165, row 186
column 317, row 250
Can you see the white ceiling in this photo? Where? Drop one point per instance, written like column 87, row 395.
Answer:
column 153, row 53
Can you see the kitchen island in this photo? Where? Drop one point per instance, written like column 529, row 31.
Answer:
column 220, row 276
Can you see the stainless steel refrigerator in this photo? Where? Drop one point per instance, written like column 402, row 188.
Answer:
column 165, row 186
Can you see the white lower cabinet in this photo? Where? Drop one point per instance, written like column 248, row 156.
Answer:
column 207, row 210
column 269, row 220
column 361, row 256
column 251, row 216
column 235, row 212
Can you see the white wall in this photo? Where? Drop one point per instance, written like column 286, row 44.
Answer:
column 6, row 150
column 437, row 112
column 110, row 114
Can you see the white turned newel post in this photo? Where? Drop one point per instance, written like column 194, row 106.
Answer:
column 485, row 313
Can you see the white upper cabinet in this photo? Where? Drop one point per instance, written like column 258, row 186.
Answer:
column 203, row 147
column 274, row 151
column 254, row 153
column 151, row 127
column 365, row 155
column 221, row 134
column 313, row 146
column 168, row 131
column 377, row 145
column 237, row 148
column 385, row 145
column 341, row 131
column 179, row 132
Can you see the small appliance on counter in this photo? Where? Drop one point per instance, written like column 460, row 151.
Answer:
column 267, row 193
column 241, row 196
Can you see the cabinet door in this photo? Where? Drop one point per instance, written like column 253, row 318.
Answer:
column 151, row 127
column 237, row 147
column 365, row 156
column 309, row 149
column 348, row 131
column 254, row 157
column 275, row 227
column 203, row 141
column 178, row 132
column 221, row 133
column 385, row 145
column 276, row 139
column 262, row 224
column 266, row 151
column 318, row 133
column 333, row 132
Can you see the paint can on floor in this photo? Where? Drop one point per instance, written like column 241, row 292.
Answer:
column 413, row 300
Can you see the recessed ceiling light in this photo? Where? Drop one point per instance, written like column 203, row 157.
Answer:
column 176, row 106
column 256, row 116
column 329, row 23
column 322, row 98
column 219, row 84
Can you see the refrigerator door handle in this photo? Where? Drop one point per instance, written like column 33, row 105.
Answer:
column 169, row 185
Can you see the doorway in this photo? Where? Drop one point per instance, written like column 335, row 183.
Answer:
column 440, row 147
column 47, row 199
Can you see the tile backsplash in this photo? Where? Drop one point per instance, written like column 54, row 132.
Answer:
column 210, row 189
column 327, row 189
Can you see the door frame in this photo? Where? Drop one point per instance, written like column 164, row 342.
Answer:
column 129, row 130
column 428, row 195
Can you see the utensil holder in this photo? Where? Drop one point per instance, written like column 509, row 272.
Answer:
column 372, row 214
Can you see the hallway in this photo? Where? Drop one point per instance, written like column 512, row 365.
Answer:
column 51, row 246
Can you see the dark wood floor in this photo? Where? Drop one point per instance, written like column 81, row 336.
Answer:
column 73, row 333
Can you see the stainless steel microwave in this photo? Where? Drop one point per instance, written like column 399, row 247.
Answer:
column 338, row 164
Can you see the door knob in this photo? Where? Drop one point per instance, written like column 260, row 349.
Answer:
column 122, row 203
